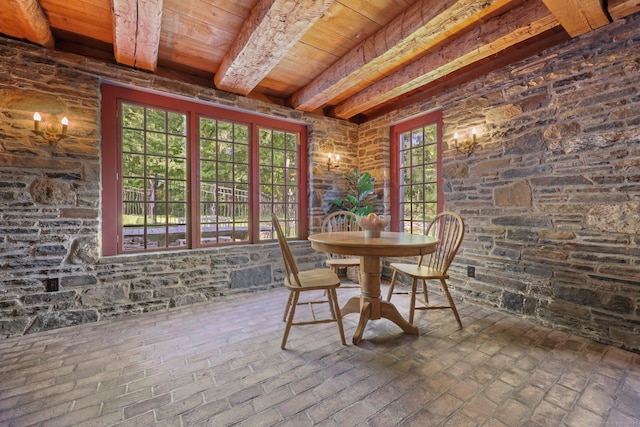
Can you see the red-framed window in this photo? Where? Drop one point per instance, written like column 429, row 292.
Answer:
column 416, row 172
column 179, row 174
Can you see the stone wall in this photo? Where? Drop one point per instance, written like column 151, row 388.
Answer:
column 50, row 202
column 551, row 198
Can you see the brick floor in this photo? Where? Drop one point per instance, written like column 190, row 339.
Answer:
column 220, row 364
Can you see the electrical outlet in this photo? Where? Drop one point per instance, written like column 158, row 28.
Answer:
column 52, row 285
column 471, row 271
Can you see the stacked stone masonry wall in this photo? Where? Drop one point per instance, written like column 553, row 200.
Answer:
column 551, row 198
column 50, row 202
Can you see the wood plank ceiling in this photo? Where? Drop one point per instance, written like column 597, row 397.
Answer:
column 350, row 59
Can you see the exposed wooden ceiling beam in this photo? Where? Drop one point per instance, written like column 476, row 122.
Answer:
column 25, row 19
column 497, row 34
column 578, row 16
column 526, row 49
column 273, row 27
column 419, row 28
column 622, row 8
column 136, row 29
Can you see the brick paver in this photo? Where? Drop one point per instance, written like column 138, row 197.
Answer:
column 220, row 364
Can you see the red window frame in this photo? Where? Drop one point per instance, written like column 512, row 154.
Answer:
column 111, row 146
column 397, row 215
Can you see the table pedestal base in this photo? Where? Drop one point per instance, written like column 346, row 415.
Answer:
column 370, row 249
column 369, row 311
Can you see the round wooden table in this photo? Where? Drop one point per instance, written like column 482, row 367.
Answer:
column 371, row 249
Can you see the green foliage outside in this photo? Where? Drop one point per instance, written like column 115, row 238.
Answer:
column 155, row 169
column 360, row 196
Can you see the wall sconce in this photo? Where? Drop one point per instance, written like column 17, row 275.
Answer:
column 467, row 147
column 331, row 163
column 48, row 130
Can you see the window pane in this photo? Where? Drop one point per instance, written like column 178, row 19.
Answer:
column 278, row 193
column 225, row 131
column 133, row 116
column 177, row 191
column 416, row 138
column 265, row 137
column 241, row 153
column 132, row 141
column 224, row 175
column 156, row 166
column 291, row 142
column 156, row 120
column 154, row 176
column 418, row 173
column 177, row 124
column 208, row 129
column 133, row 165
column 430, row 134
column 241, row 134
column 156, row 143
column 225, row 152
column 177, row 146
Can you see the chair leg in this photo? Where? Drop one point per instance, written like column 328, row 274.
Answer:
column 287, row 307
column 392, row 285
column 335, row 311
column 451, row 303
column 412, row 306
column 292, row 312
column 424, row 291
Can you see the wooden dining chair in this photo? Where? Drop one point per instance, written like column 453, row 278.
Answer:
column 319, row 279
column 448, row 227
column 341, row 221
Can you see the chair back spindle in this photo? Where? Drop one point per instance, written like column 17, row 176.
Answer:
column 447, row 227
column 341, row 221
column 289, row 261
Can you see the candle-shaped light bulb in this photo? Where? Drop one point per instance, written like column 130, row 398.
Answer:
column 455, row 137
column 329, row 156
column 36, row 121
column 337, row 158
column 473, row 134
column 65, row 124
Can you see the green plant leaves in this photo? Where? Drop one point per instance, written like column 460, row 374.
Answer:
column 360, row 197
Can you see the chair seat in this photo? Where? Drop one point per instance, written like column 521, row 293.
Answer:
column 417, row 271
column 319, row 278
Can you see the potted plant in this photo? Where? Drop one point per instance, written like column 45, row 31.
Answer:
column 360, row 196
